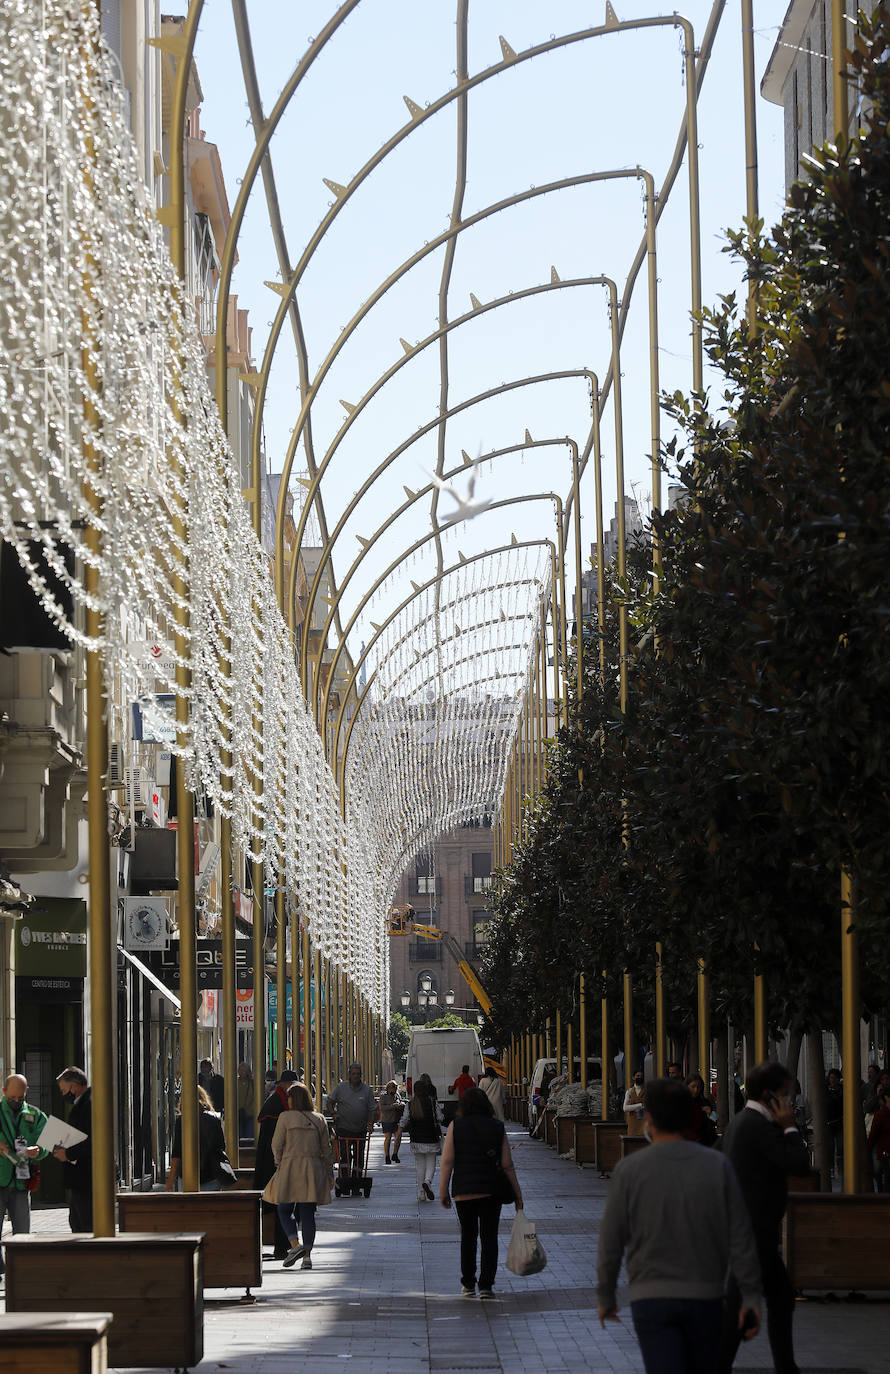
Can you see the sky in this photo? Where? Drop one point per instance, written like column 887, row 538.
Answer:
column 606, row 103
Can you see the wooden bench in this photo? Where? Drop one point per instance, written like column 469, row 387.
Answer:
column 805, row 1183
column 598, row 1143
column 229, row 1221
column 629, row 1144
column 837, row 1240
column 54, row 1343
column 153, row 1286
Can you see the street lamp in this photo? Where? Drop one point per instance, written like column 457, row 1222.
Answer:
column 426, row 982
column 405, row 999
column 449, row 997
column 432, row 998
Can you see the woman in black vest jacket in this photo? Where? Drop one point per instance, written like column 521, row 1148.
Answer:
column 476, row 1160
column 422, row 1119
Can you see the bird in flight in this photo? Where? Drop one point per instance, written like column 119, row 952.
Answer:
column 466, row 508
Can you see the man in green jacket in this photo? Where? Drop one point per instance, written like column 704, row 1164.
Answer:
column 20, row 1125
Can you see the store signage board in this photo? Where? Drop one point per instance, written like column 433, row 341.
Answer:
column 165, row 964
column 51, row 939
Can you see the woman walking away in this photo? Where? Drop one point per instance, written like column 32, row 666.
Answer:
column 211, row 1140
column 304, row 1172
column 391, row 1107
column 493, row 1087
column 477, row 1162
column 422, row 1119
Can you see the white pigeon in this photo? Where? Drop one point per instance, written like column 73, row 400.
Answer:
column 466, row 508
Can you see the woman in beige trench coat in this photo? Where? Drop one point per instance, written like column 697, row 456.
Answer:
column 304, row 1172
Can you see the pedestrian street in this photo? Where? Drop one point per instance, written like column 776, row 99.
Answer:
column 382, row 1295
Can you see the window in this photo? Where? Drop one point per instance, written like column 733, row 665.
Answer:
column 481, row 872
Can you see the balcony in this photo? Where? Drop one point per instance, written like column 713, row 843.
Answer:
column 474, row 887
column 425, row 952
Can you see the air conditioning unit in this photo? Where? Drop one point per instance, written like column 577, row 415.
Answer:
column 116, row 766
column 139, row 787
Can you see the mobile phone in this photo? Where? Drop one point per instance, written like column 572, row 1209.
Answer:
column 771, row 1100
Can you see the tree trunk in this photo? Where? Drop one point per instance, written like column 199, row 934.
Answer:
column 816, row 1094
column 792, row 1058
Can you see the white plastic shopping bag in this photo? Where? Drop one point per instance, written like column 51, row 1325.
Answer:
column 526, row 1253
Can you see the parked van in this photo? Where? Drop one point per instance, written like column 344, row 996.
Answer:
column 545, row 1070
column 442, row 1053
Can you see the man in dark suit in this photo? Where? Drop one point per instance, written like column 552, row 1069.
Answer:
column 764, row 1145
column 78, row 1159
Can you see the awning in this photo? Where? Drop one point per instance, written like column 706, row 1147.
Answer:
column 152, row 978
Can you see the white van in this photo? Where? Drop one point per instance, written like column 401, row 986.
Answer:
column 442, row 1054
column 545, row 1070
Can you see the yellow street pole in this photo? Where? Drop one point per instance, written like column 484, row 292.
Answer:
column 281, row 975
column 101, row 1068
column 604, row 1048
column 704, row 1026
column 629, row 1056
column 660, row 1036
column 558, row 1042
column 570, row 1057
column 185, row 808
column 317, row 1019
column 582, row 1029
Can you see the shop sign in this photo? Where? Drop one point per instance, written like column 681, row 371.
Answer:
column 244, row 1009
column 273, row 1002
column 51, row 939
column 50, row 989
column 165, row 964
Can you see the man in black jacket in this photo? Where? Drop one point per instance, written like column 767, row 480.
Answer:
column 78, row 1159
column 764, row 1145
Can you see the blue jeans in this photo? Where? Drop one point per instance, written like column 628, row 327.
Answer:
column 678, row 1335
column 286, row 1211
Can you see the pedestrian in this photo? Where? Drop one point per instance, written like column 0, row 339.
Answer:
column 20, row 1125
column 674, row 1070
column 476, row 1158
column 492, row 1085
column 764, row 1146
column 304, row 1172
column 264, row 1161
column 834, row 1120
column 390, row 1106
column 354, row 1109
column 879, row 1141
column 213, row 1084
column 245, row 1103
column 633, row 1105
column 678, row 1212
column 77, row 1174
column 702, row 1127
column 463, row 1081
column 422, row 1119
column 211, row 1139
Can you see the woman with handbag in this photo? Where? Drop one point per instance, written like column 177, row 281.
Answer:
column 477, row 1162
column 304, row 1172
column 211, row 1141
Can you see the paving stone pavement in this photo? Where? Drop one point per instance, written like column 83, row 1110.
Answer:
column 382, row 1295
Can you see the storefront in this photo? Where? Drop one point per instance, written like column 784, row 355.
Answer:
column 50, row 970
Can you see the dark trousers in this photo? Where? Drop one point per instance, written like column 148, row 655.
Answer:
column 80, row 1210
column 678, row 1335
column 287, row 1215
column 478, row 1219
column 351, row 1151
column 779, row 1297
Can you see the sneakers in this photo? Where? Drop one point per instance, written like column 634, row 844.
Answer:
column 467, row 1292
column 428, row 1191
column 296, row 1253
column 486, row 1293
column 307, row 1263
column 421, row 1197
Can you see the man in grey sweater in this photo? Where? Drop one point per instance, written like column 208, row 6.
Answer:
column 678, row 1211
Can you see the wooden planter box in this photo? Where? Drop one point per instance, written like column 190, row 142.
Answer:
column 629, row 1144
column 805, row 1183
column 837, row 1240
column 230, row 1223
column 548, row 1131
column 598, row 1142
column 55, row 1343
column 565, row 1134
column 246, row 1157
column 153, row 1286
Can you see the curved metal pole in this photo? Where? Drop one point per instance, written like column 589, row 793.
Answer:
column 447, row 237
column 406, row 553
column 402, row 510
column 381, row 468
column 431, row 582
column 343, row 194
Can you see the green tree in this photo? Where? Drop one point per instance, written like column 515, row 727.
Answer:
column 398, row 1036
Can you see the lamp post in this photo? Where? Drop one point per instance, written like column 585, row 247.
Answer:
column 405, row 1000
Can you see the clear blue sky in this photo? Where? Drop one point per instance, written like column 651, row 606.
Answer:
column 610, row 102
